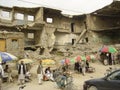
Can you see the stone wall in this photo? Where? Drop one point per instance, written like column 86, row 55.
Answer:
column 14, row 43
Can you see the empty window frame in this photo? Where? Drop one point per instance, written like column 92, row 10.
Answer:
column 19, row 16
column 5, row 15
column 30, row 35
column 49, row 20
column 30, row 18
column 14, row 44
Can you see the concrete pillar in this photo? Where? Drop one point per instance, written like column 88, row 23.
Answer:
column 37, row 37
column 39, row 15
column 43, row 38
column 12, row 15
column 88, row 21
column 0, row 14
column 25, row 18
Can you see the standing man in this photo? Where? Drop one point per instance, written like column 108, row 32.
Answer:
column 40, row 72
column 21, row 72
column 83, row 66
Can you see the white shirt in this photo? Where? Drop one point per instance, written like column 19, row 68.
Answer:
column 1, row 70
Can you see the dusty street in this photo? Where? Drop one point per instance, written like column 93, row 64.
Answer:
column 48, row 85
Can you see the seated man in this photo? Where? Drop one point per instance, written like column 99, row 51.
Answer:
column 8, row 73
column 48, row 74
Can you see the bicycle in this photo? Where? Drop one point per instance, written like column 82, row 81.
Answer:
column 63, row 80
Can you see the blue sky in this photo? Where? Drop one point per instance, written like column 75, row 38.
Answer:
column 67, row 6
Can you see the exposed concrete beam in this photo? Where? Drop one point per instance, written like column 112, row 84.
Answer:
column 106, row 29
column 80, row 37
column 83, row 32
column 106, row 15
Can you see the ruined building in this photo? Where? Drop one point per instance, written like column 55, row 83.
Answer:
column 42, row 27
column 105, row 24
column 46, row 28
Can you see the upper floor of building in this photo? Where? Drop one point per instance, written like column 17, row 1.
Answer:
column 34, row 17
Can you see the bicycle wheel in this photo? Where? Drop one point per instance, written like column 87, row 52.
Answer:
column 69, row 83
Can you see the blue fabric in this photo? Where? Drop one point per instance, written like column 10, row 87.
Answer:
column 5, row 57
column 62, row 61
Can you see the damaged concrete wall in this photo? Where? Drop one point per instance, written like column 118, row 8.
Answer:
column 14, row 43
column 6, row 19
column 20, row 17
column 38, row 34
column 39, row 15
column 47, row 39
column 29, row 37
column 64, row 38
column 51, row 36
column 56, row 22
column 79, row 23
column 105, row 37
column 62, row 23
column 66, row 29
column 103, row 29
column 104, row 22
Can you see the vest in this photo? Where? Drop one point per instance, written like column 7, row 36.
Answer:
column 19, row 69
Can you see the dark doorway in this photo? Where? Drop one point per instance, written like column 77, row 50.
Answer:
column 72, row 27
column 73, row 41
column 86, row 39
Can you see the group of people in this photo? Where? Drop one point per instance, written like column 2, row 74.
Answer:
column 58, row 75
column 81, row 66
column 24, row 75
column 107, row 58
column 43, row 74
column 5, row 73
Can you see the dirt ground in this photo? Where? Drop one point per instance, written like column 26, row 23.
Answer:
column 78, row 79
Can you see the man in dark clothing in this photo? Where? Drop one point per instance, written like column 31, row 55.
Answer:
column 21, row 72
column 110, row 59
column 77, row 66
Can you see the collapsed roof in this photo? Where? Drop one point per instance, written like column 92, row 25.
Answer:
column 112, row 9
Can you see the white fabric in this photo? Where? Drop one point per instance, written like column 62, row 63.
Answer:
column 28, row 74
column 21, row 71
column 21, row 75
column 40, row 77
column 1, row 70
column 49, row 75
column 83, row 70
